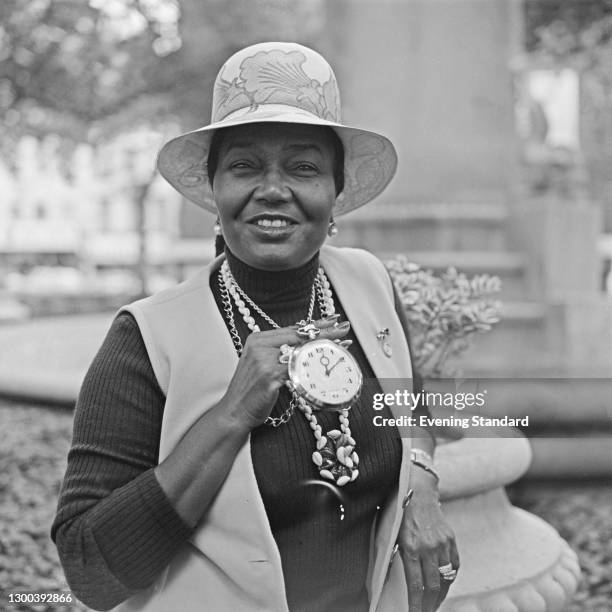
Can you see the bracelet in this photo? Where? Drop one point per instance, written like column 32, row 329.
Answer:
column 424, row 460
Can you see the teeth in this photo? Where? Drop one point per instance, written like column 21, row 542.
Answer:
column 272, row 223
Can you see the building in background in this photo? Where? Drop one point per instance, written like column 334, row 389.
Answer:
column 57, row 205
column 90, row 229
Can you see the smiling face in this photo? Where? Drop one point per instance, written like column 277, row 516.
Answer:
column 274, row 189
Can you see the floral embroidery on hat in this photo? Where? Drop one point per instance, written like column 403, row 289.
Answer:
column 193, row 170
column 276, row 77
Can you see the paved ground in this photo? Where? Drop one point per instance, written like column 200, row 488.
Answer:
column 47, row 358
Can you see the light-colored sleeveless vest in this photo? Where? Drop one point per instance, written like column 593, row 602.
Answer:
column 232, row 562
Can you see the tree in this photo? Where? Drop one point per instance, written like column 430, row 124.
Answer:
column 66, row 66
column 578, row 34
column 82, row 69
column 86, row 72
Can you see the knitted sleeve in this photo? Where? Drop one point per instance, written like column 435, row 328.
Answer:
column 115, row 529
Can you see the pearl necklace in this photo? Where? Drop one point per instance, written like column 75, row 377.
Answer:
column 320, row 289
column 335, row 457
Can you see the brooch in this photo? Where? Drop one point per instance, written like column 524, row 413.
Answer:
column 383, row 338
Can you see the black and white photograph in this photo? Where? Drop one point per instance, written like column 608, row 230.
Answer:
column 306, row 305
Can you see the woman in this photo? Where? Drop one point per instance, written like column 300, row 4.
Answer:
column 197, row 477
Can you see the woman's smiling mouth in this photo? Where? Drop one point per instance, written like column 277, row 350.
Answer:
column 273, row 225
column 272, row 222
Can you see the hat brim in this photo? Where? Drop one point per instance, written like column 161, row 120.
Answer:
column 370, row 159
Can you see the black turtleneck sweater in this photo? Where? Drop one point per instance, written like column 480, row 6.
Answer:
column 116, row 530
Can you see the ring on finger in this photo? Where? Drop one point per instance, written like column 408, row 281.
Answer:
column 310, row 331
column 445, row 569
column 450, row 576
column 285, row 353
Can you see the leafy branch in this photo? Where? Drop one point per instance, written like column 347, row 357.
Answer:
column 445, row 312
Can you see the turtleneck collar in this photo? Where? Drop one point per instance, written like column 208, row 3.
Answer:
column 282, row 288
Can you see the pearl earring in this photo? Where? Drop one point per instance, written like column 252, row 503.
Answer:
column 332, row 229
column 217, row 228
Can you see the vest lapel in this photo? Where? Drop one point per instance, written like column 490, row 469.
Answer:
column 393, row 373
column 235, row 530
column 234, row 540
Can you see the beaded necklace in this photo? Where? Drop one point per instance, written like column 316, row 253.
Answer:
column 334, row 456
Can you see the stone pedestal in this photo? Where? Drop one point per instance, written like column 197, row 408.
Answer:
column 511, row 560
column 559, row 236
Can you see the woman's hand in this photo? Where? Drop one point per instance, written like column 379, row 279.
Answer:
column 426, row 542
column 254, row 388
column 217, row 436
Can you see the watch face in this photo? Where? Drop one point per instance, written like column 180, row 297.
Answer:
column 326, row 374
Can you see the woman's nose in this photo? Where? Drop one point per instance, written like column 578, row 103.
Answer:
column 273, row 187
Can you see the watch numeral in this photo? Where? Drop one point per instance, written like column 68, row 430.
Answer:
column 305, row 364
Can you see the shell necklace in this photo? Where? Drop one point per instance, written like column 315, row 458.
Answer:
column 334, row 457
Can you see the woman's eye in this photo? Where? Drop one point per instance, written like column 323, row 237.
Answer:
column 239, row 165
column 305, row 167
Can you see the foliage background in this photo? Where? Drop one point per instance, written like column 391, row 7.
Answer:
column 578, row 34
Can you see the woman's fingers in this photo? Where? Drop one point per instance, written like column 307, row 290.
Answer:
column 454, row 554
column 426, row 536
column 327, row 321
column 262, row 367
column 444, row 559
column 431, row 581
column 414, row 580
column 447, row 555
column 450, row 552
column 427, row 588
column 336, row 331
column 267, row 345
column 330, row 330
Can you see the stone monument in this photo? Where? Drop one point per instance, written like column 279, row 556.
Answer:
column 437, row 78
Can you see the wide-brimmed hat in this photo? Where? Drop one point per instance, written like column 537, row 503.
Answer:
column 283, row 83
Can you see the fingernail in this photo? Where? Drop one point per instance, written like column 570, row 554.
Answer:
column 333, row 317
column 343, row 325
column 346, row 343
